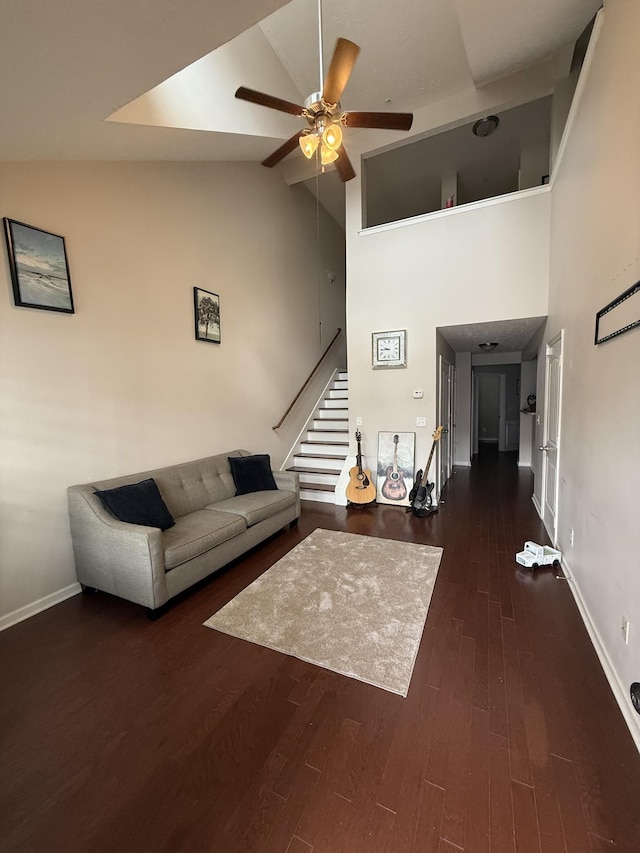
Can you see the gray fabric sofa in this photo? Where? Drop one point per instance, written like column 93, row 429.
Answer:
column 213, row 526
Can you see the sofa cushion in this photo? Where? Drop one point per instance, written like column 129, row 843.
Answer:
column 252, row 473
column 198, row 532
column 256, row 506
column 137, row 503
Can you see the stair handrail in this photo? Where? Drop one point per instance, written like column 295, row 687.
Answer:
column 307, row 380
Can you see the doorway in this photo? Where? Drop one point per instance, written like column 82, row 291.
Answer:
column 495, row 394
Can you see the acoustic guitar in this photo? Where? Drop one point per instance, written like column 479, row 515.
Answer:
column 360, row 489
column 394, row 487
column 420, row 495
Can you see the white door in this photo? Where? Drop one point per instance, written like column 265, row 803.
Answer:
column 551, row 442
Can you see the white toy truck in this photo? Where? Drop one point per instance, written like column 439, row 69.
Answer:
column 535, row 555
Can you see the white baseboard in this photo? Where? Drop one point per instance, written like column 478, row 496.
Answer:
column 620, row 693
column 536, row 505
column 41, row 604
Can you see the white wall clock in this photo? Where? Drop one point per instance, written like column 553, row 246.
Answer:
column 389, row 349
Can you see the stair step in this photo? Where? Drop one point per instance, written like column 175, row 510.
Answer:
column 302, row 469
column 322, row 447
column 317, row 456
column 318, row 487
column 338, row 395
column 340, row 425
column 334, row 413
column 332, row 403
column 331, row 435
column 324, row 478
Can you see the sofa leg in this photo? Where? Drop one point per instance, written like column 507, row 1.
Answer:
column 294, row 523
column 155, row 614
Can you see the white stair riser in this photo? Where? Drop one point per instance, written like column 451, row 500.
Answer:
column 328, row 479
column 338, row 395
column 325, row 423
column 332, row 465
column 325, row 449
column 340, row 385
column 321, row 435
column 332, row 414
column 321, row 497
column 329, row 403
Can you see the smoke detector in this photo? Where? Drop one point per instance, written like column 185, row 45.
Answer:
column 485, row 126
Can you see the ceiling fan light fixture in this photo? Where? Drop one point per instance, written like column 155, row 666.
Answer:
column 488, row 346
column 327, row 155
column 308, row 144
column 332, row 137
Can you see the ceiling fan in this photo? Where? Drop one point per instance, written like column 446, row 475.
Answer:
column 323, row 112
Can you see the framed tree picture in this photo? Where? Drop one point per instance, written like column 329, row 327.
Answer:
column 39, row 268
column 396, row 459
column 207, row 315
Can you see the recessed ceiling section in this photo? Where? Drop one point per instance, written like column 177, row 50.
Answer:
column 412, row 52
column 510, row 335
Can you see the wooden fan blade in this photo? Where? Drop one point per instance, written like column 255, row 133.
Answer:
column 343, row 166
column 344, row 57
column 268, row 101
column 385, row 121
column 282, row 152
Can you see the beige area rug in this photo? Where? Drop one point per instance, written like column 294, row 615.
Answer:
column 353, row 604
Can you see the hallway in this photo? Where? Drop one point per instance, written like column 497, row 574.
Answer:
column 121, row 734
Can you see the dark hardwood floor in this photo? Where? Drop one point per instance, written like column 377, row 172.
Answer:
column 122, row 734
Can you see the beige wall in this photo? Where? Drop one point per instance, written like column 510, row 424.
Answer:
column 595, row 255
column 121, row 385
column 472, row 264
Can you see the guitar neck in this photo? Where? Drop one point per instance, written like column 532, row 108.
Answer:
column 425, row 476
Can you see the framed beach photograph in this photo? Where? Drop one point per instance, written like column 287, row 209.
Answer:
column 394, row 475
column 207, row 315
column 39, row 268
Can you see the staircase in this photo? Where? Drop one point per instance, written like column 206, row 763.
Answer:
column 321, row 455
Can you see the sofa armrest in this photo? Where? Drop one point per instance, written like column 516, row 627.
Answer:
column 289, row 480
column 124, row 559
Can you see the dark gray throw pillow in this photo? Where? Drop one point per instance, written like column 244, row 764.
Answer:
column 252, row 473
column 138, row 503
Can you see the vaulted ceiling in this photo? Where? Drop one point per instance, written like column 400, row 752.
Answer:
column 81, row 79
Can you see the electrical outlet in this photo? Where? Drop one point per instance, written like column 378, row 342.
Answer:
column 624, row 628
column 421, row 422
column 571, row 536
column 358, row 421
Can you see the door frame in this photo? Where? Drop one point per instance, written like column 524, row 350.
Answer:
column 446, row 418
column 545, row 485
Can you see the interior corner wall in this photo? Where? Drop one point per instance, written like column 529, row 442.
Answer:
column 122, row 385
column 595, row 256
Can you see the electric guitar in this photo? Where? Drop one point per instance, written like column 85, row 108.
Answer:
column 420, row 495
column 360, row 489
column 394, row 487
